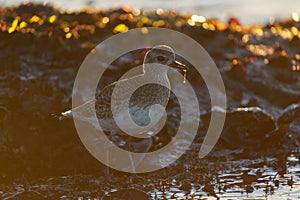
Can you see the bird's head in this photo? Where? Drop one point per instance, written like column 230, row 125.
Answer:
column 164, row 55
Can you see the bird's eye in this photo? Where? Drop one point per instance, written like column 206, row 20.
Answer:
column 160, row 58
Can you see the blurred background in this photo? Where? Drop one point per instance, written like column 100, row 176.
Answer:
column 247, row 11
column 42, row 49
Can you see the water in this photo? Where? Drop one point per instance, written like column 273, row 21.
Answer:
column 248, row 11
column 235, row 182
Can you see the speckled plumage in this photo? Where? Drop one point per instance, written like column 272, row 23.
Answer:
column 139, row 105
column 141, row 100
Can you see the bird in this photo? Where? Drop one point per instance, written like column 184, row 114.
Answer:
column 140, row 105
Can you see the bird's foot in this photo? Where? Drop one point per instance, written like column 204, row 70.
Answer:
column 134, row 178
column 107, row 176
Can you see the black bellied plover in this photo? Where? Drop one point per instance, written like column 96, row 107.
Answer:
column 140, row 104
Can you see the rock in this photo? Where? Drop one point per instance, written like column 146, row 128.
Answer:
column 237, row 70
column 244, row 128
column 272, row 78
column 208, row 188
column 289, row 114
column 295, row 42
column 288, row 132
column 186, row 186
column 280, row 59
column 279, row 86
column 249, row 189
column 29, row 9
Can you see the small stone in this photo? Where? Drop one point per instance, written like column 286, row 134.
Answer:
column 126, row 194
column 276, row 182
column 186, row 186
column 249, row 189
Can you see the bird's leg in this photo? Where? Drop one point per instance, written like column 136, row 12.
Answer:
column 107, row 171
column 107, row 174
column 128, row 142
column 133, row 175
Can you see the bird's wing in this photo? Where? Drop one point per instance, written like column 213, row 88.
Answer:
column 140, row 101
column 103, row 99
column 139, row 105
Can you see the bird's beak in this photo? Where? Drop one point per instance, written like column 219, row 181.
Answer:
column 181, row 67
